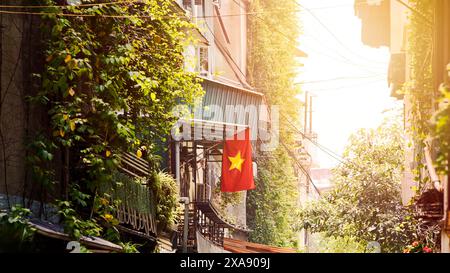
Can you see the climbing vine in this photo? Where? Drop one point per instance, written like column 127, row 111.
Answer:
column 272, row 63
column 420, row 90
column 442, row 129
column 113, row 72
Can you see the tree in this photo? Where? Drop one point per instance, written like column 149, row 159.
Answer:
column 366, row 203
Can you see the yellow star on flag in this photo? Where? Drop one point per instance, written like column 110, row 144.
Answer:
column 236, row 162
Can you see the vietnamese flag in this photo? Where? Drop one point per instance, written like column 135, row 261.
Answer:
column 237, row 167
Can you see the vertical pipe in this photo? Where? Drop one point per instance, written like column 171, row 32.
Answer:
column 310, row 114
column 207, row 182
column 186, row 226
column 177, row 164
column 306, row 113
column 195, row 170
column 185, row 200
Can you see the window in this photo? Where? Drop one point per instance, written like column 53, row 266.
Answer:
column 203, row 61
column 197, row 60
column 188, row 4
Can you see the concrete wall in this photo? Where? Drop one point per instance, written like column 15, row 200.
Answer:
column 205, row 246
column 20, row 56
column 12, row 114
column 398, row 44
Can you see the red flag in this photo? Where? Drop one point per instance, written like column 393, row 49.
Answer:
column 237, row 167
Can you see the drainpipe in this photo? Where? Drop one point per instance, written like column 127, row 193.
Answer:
column 177, row 163
column 185, row 201
column 446, row 195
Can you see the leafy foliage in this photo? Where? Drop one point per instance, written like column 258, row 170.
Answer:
column 442, row 129
column 420, row 90
column 272, row 64
column 166, row 192
column 15, row 232
column 75, row 226
column 417, row 247
column 129, row 247
column 131, row 192
column 326, row 244
column 365, row 203
column 274, row 201
column 225, row 199
column 111, row 77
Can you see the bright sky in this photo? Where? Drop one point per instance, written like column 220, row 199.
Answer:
column 355, row 93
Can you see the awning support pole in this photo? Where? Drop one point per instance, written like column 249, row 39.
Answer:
column 177, row 163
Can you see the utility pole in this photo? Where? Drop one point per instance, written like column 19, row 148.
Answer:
column 308, row 110
column 305, row 123
column 310, row 114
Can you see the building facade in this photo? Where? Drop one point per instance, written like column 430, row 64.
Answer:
column 229, row 105
column 388, row 23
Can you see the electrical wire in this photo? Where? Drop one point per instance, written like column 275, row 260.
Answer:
column 139, row 1
column 325, row 149
column 304, row 171
column 68, row 6
column 325, row 45
column 137, row 16
column 342, row 88
column 224, row 50
column 331, row 32
column 340, row 78
column 415, row 11
column 294, row 43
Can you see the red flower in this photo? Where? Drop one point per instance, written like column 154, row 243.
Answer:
column 414, row 244
column 427, row 249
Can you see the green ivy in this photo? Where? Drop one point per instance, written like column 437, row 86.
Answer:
column 272, row 65
column 111, row 78
column 420, row 89
column 442, row 129
column 15, row 232
column 165, row 189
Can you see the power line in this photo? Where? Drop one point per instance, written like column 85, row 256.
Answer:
column 325, row 45
column 68, row 6
column 311, row 181
column 344, row 58
column 138, row 1
column 329, row 31
column 217, row 41
column 415, row 11
column 132, row 2
column 340, row 78
column 323, row 148
column 349, row 86
column 272, row 11
column 137, row 16
column 294, row 42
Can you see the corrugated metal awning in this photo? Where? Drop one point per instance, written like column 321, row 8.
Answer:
column 225, row 103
